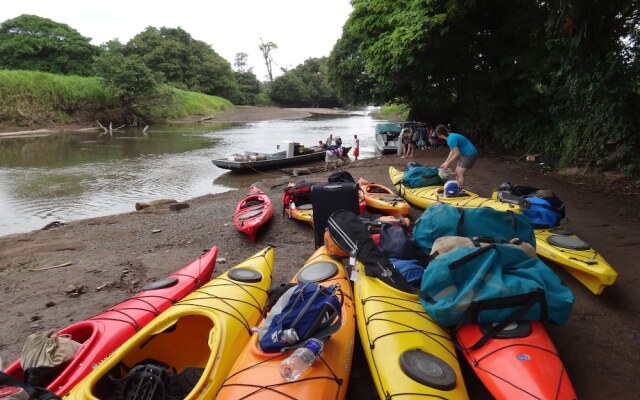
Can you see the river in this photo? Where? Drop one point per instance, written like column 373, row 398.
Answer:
column 76, row 175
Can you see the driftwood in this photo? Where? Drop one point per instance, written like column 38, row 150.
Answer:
column 111, row 128
column 210, row 117
column 52, row 267
column 178, row 206
column 154, row 203
column 302, row 171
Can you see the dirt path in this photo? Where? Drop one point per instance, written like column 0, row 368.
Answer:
column 121, row 253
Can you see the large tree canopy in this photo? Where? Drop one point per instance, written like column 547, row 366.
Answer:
column 561, row 77
column 307, row 85
column 30, row 42
column 183, row 61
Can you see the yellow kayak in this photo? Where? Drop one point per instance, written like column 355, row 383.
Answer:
column 256, row 375
column 195, row 341
column 425, row 196
column 302, row 213
column 564, row 248
column 383, row 199
column 409, row 355
column 576, row 256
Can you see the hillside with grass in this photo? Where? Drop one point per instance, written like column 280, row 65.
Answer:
column 33, row 98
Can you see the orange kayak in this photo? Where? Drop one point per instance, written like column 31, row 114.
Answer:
column 252, row 212
column 520, row 363
column 256, row 375
column 383, row 199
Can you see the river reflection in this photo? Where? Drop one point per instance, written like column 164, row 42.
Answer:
column 76, row 175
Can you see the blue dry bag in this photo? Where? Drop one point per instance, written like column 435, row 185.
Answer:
column 493, row 284
column 422, row 176
column 541, row 214
column 444, row 220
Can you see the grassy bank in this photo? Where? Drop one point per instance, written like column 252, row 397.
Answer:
column 29, row 98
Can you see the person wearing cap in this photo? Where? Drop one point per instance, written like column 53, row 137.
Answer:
column 461, row 150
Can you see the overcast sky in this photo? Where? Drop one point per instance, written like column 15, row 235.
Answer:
column 301, row 28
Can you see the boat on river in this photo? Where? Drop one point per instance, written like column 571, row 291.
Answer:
column 250, row 161
column 388, row 137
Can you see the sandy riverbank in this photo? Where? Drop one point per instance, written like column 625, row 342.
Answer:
column 596, row 343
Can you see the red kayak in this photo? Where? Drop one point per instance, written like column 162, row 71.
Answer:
column 253, row 212
column 102, row 334
column 521, row 362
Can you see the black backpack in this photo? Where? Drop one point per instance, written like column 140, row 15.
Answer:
column 341, row 176
column 34, row 392
column 349, row 233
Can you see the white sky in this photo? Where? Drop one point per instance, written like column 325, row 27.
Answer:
column 301, row 28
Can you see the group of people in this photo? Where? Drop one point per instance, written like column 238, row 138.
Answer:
column 420, row 137
column 335, row 151
column 461, row 151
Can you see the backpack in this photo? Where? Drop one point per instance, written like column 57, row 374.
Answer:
column 350, row 234
column 444, row 220
column 297, row 193
column 33, row 392
column 541, row 214
column 493, row 284
column 394, row 243
column 304, row 311
column 411, row 270
column 340, row 176
column 420, row 177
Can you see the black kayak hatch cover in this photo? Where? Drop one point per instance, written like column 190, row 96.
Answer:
column 317, row 272
column 247, row 275
column 428, row 369
column 517, row 329
column 568, row 242
column 250, row 214
column 161, row 284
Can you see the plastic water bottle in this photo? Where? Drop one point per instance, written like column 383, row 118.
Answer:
column 301, row 359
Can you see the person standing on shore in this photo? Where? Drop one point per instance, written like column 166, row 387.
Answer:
column 405, row 136
column 461, row 150
column 356, row 149
column 329, row 140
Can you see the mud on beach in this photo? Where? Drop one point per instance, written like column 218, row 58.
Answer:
column 109, row 258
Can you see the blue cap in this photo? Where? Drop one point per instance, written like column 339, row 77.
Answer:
column 314, row 345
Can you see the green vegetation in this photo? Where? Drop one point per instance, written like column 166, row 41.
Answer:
column 559, row 78
column 177, row 103
column 28, row 97
column 391, row 109
column 34, row 43
column 307, row 85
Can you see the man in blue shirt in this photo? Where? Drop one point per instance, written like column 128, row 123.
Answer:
column 462, row 150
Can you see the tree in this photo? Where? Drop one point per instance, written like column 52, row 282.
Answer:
column 183, row 61
column 127, row 76
column 306, row 85
column 248, row 87
column 241, row 62
column 554, row 76
column 266, row 49
column 30, row 42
